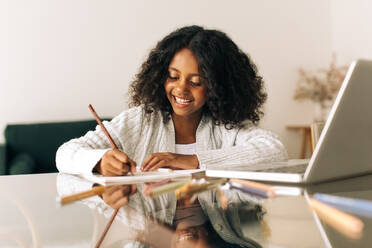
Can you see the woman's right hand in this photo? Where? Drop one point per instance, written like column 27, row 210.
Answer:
column 115, row 163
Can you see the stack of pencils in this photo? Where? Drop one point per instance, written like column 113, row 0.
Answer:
column 189, row 189
column 336, row 211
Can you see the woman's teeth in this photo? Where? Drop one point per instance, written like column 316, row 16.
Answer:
column 181, row 100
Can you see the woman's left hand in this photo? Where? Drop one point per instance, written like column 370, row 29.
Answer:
column 170, row 160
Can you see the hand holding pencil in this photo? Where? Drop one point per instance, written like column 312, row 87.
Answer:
column 115, row 163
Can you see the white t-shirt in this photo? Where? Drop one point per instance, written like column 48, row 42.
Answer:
column 192, row 215
column 186, row 149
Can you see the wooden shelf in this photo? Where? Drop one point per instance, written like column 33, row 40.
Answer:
column 305, row 130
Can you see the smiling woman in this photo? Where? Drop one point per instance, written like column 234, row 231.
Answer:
column 196, row 102
column 196, row 88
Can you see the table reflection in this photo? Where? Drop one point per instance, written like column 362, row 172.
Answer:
column 140, row 216
column 30, row 217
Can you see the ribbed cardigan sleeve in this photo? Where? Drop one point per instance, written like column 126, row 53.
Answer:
column 243, row 147
column 79, row 156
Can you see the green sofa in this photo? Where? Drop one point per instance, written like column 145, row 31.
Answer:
column 31, row 148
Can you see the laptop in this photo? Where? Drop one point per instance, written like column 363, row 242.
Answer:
column 344, row 148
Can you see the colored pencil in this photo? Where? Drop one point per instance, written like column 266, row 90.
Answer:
column 196, row 187
column 346, row 224
column 354, row 206
column 147, row 190
column 102, row 126
column 115, row 147
column 166, row 188
column 250, row 190
column 80, row 196
column 260, row 186
column 222, row 198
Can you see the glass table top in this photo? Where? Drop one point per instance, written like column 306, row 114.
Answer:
column 31, row 217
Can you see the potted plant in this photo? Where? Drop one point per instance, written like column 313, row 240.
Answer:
column 321, row 87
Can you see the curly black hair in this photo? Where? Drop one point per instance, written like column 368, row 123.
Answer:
column 235, row 91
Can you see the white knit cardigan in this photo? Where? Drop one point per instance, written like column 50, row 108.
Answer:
column 139, row 137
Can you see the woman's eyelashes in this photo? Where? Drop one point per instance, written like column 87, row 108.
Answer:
column 193, row 83
column 172, row 78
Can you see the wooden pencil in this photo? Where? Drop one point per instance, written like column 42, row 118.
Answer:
column 256, row 185
column 147, row 190
column 102, row 126
column 188, row 190
column 115, row 147
column 107, row 228
column 82, row 195
column 251, row 190
column 166, row 188
column 222, row 198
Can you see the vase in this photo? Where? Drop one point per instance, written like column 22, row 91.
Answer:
column 318, row 112
column 321, row 111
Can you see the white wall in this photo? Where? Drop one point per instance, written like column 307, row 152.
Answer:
column 56, row 57
column 351, row 29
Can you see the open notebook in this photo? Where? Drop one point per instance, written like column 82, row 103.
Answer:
column 144, row 177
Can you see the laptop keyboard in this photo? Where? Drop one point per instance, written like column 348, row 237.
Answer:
column 296, row 169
